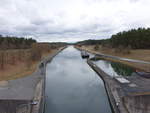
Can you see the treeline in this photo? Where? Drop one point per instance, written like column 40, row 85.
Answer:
column 12, row 57
column 90, row 42
column 134, row 38
column 14, row 51
column 7, row 42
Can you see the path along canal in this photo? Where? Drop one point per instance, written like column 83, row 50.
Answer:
column 73, row 87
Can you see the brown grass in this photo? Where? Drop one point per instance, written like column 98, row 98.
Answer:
column 139, row 54
column 20, row 69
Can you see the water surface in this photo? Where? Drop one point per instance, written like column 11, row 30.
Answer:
column 114, row 68
column 73, row 87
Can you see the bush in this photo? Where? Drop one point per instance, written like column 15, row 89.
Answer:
column 123, row 50
column 127, row 50
column 35, row 53
column 96, row 47
column 2, row 60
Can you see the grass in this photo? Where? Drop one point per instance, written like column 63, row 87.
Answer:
column 16, row 71
column 139, row 54
column 20, row 69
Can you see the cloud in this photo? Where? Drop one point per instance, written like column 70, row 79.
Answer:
column 71, row 20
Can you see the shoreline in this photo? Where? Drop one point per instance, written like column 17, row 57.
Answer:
column 138, row 64
column 29, row 91
column 105, row 80
column 42, row 67
column 124, row 96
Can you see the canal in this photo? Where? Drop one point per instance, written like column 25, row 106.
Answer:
column 115, row 69
column 73, row 87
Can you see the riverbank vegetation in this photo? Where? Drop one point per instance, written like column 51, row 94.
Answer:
column 123, row 43
column 7, row 42
column 134, row 38
column 133, row 44
column 19, row 56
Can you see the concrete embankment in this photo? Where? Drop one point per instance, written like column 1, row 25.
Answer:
column 40, row 88
column 126, row 94
column 105, row 78
column 25, row 94
column 111, row 88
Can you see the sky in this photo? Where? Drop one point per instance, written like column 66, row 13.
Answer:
column 71, row 20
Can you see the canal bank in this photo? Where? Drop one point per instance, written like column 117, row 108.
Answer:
column 128, row 92
column 39, row 93
column 111, row 88
column 25, row 94
column 73, row 87
column 139, row 64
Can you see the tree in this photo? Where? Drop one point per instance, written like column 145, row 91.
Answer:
column 96, row 47
column 2, row 60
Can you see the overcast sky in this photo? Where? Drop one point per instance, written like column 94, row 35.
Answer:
column 71, row 20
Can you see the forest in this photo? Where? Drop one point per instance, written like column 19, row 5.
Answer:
column 7, row 42
column 134, row 38
column 19, row 56
column 90, row 42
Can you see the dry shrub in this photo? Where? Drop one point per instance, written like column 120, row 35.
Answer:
column 46, row 47
column 79, row 45
column 127, row 50
column 54, row 46
column 104, row 48
column 2, row 60
column 119, row 49
column 35, row 53
column 123, row 50
column 96, row 47
column 14, row 57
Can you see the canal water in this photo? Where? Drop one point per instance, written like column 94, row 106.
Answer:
column 115, row 69
column 73, row 87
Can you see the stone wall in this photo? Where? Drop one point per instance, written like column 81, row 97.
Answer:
column 15, row 106
column 137, row 104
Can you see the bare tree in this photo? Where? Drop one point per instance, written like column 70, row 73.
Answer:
column 2, row 60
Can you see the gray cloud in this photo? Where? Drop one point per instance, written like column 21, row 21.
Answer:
column 70, row 20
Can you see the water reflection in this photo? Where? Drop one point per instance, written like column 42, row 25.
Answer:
column 73, row 87
column 115, row 69
column 122, row 69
